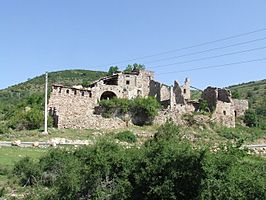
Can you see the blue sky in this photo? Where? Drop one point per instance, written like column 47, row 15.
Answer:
column 51, row 35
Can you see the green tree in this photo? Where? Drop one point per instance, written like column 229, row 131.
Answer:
column 129, row 68
column 250, row 118
column 135, row 66
column 112, row 70
column 138, row 66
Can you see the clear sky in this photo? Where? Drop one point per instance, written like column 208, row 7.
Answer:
column 51, row 35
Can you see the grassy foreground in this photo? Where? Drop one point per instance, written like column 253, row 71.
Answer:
column 9, row 156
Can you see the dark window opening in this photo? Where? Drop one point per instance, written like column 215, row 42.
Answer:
column 185, row 91
column 60, row 90
column 127, row 82
column 67, row 91
column 224, row 112
column 82, row 93
column 75, row 92
column 235, row 113
column 90, row 95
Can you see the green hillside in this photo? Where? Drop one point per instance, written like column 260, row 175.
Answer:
column 254, row 92
column 17, row 92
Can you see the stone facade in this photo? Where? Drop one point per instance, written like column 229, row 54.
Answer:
column 74, row 107
column 224, row 108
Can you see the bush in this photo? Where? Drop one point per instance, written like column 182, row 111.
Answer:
column 114, row 107
column 3, row 128
column 249, row 94
column 2, row 192
column 167, row 131
column 229, row 174
column 163, row 168
column 142, row 110
column 250, row 118
column 203, row 106
column 27, row 171
column 126, row 136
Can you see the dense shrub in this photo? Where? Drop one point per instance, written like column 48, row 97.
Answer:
column 163, row 168
column 28, row 172
column 203, row 106
column 142, row 110
column 250, row 118
column 168, row 131
column 115, row 106
column 126, row 136
column 3, row 128
column 229, row 175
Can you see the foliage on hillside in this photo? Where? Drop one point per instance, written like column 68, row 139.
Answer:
column 17, row 92
column 166, row 167
column 255, row 93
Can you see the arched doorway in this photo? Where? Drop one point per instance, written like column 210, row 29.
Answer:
column 108, row 95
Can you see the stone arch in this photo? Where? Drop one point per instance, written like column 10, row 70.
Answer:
column 108, row 95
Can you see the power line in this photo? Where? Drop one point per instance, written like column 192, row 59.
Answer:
column 214, row 66
column 211, row 57
column 208, row 50
column 188, row 47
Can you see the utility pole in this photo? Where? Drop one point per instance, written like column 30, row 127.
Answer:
column 46, row 104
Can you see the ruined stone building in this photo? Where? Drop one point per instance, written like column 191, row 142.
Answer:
column 225, row 109
column 74, row 107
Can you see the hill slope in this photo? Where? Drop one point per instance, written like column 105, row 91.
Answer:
column 254, row 91
column 14, row 93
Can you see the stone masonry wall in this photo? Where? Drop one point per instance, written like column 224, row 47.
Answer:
column 76, row 111
column 224, row 114
column 240, row 106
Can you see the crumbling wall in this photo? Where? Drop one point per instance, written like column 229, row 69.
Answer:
column 177, row 90
column 224, row 114
column 240, row 107
column 186, row 89
column 222, row 105
column 75, row 110
column 224, row 95
column 155, row 88
column 74, row 107
column 164, row 93
column 210, row 94
column 143, row 81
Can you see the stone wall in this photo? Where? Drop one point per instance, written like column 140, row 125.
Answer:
column 73, row 110
column 225, row 108
column 240, row 107
column 186, row 89
column 210, row 94
column 224, row 114
column 164, row 92
column 74, row 107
